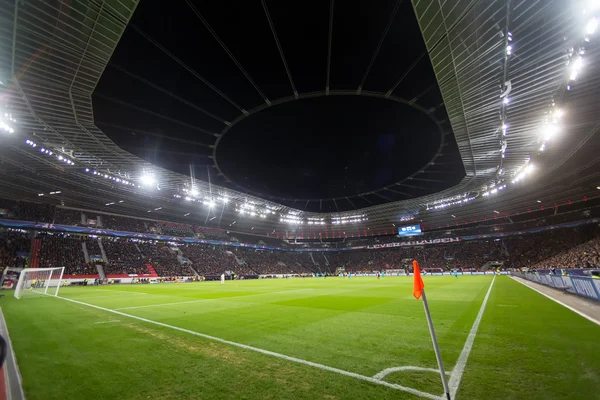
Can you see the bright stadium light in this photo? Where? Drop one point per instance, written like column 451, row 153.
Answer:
column 147, row 179
column 577, row 64
column 550, row 131
column 591, row 26
column 5, row 127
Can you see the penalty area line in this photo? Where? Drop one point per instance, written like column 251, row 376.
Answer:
column 266, row 352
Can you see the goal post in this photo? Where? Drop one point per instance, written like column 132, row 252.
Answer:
column 38, row 282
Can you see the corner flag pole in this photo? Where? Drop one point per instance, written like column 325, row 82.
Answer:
column 419, row 291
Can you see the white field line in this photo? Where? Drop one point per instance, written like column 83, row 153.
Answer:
column 594, row 320
column 201, row 300
column 388, row 371
column 112, row 321
column 459, row 368
column 267, row 352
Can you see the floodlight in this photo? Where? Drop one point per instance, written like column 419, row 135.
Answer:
column 577, row 64
column 529, row 168
column 551, row 131
column 591, row 26
column 148, row 180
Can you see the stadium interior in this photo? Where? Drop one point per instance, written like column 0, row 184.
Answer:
column 242, row 152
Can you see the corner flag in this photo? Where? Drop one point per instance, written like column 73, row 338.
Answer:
column 418, row 291
column 418, row 284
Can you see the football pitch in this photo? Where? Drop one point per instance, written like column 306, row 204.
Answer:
column 332, row 338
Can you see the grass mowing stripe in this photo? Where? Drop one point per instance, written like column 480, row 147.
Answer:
column 459, row 368
column 267, row 352
column 200, row 300
column 558, row 301
column 109, row 296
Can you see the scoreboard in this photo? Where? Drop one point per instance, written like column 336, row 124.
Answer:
column 409, row 230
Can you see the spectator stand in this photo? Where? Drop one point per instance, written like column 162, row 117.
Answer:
column 165, row 260
column 66, row 216
column 175, row 229
column 15, row 248
column 124, row 259
column 62, row 250
column 26, row 211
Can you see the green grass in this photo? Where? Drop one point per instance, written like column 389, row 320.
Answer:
column 528, row 347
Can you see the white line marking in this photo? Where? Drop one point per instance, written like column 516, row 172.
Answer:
column 388, row 371
column 267, row 352
column 592, row 319
column 507, row 305
column 201, row 300
column 107, row 322
column 459, row 368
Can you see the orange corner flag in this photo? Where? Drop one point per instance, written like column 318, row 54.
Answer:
column 418, row 284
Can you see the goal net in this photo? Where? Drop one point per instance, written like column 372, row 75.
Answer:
column 38, row 282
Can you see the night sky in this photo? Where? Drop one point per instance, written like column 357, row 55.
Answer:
column 165, row 104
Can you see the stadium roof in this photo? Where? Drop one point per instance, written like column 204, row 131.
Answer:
column 518, row 83
column 309, row 109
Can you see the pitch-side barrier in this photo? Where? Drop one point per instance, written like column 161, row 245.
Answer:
column 579, row 285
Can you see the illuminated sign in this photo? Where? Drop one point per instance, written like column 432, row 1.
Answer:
column 410, row 230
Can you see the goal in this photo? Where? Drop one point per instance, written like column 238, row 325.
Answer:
column 38, row 282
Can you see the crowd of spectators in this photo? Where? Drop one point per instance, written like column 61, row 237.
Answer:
column 64, row 251
column 174, row 229
column 526, row 251
column 214, row 260
column 211, row 234
column 13, row 243
column 462, row 256
column 27, row 211
column 64, row 216
column 559, row 248
column 272, row 262
column 164, row 260
column 126, row 224
column 585, row 255
column 123, row 257
column 93, row 247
